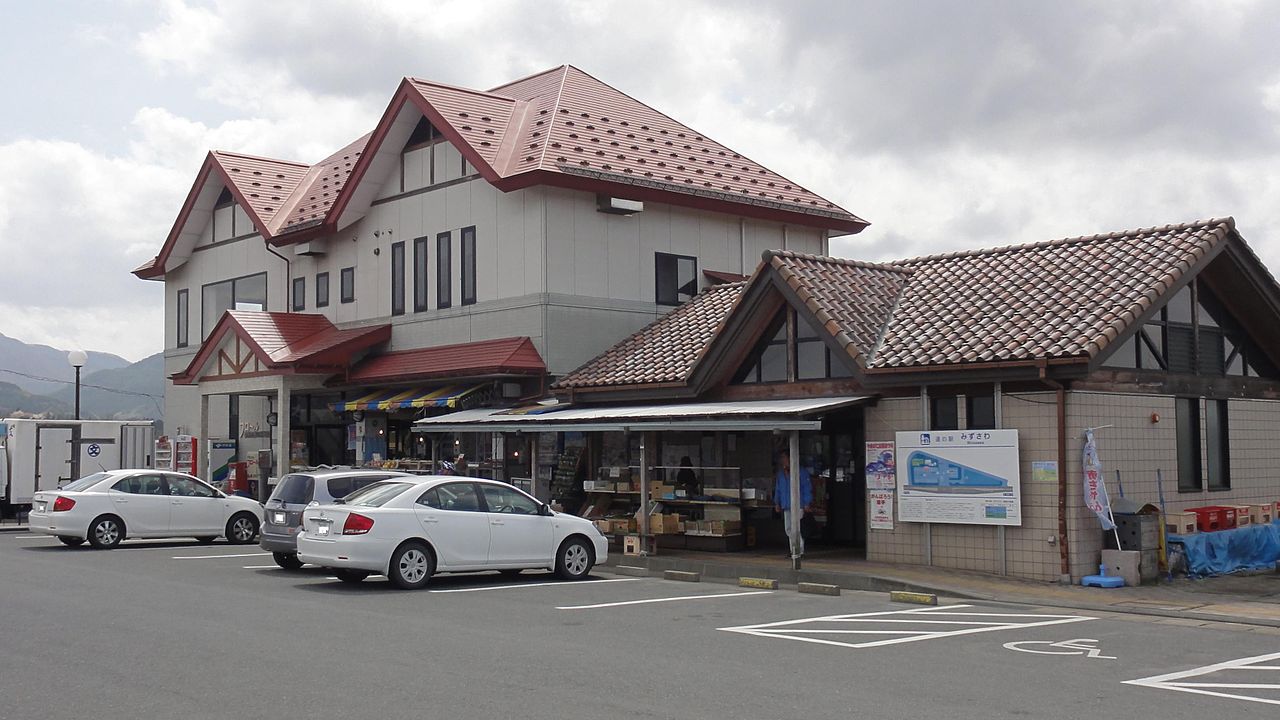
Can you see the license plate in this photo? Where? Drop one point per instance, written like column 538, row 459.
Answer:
column 277, row 518
column 322, row 528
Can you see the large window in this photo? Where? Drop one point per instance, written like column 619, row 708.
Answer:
column 813, row 359
column 419, row 274
column 772, row 360
column 1218, row 455
column 183, row 316
column 444, row 277
column 244, row 293
column 980, row 412
column 322, row 289
column 397, row 278
column 944, row 413
column 469, row 265
column 676, row 278
column 1188, row 432
column 347, row 284
column 299, row 294
column 768, row 362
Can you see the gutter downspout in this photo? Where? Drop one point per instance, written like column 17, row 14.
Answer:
column 288, row 274
column 1061, row 393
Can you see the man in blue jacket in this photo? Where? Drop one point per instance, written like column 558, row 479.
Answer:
column 782, row 496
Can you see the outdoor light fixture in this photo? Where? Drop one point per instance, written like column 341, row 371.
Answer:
column 77, row 358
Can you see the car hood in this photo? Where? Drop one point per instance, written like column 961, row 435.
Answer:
column 244, row 503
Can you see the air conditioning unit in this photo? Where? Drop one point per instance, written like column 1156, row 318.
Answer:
column 309, row 248
column 618, row 206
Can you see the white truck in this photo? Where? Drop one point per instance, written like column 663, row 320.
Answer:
column 46, row 454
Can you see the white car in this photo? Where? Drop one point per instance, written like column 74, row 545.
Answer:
column 411, row 528
column 106, row 507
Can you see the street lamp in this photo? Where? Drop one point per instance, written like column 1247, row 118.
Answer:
column 77, row 359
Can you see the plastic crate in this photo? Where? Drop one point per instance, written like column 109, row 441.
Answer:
column 1214, row 517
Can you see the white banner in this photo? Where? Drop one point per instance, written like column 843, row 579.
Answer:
column 968, row 477
column 881, row 509
column 1095, row 490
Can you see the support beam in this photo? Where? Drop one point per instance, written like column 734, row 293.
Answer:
column 797, row 512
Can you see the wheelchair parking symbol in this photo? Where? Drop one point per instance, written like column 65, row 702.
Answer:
column 1080, row 646
column 94, row 450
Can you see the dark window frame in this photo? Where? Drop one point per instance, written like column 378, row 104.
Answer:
column 467, row 247
column 347, row 284
column 1217, row 441
column 938, row 410
column 183, row 310
column 677, row 289
column 397, row 278
column 444, row 270
column 266, row 294
column 322, row 281
column 1187, row 442
column 299, row 294
column 972, row 421
column 421, row 284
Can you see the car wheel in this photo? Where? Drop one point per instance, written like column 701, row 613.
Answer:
column 411, row 566
column 287, row 560
column 351, row 576
column 106, row 532
column 574, row 560
column 206, row 540
column 242, row 528
column 71, row 541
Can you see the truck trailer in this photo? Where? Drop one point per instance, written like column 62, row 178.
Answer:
column 46, row 454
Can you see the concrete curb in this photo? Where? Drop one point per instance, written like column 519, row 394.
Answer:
column 14, row 528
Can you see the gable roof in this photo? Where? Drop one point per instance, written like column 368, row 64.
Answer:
column 286, row 342
column 1066, row 300
column 506, row 356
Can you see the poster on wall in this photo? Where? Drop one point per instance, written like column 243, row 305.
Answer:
column 967, row 477
column 881, row 509
column 881, row 471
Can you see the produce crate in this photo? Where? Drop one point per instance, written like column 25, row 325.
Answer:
column 1214, row 517
column 1243, row 516
column 1180, row 523
column 1261, row 514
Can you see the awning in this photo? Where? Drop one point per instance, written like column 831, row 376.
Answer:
column 800, row 414
column 448, row 396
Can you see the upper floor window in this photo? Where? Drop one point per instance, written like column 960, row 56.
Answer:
column 183, row 314
column 299, row 294
column 676, row 278
column 243, row 293
column 469, row 265
column 397, row 278
column 347, row 284
column 775, row 360
column 813, row 358
column 768, row 362
column 444, row 280
column 980, row 412
column 944, row 412
column 419, row 274
column 322, row 289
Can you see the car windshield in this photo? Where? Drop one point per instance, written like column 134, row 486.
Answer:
column 294, row 490
column 86, row 482
column 376, row 495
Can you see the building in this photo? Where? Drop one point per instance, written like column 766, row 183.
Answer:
column 1165, row 341
column 472, row 246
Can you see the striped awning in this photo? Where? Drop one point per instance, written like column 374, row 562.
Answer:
column 445, row 397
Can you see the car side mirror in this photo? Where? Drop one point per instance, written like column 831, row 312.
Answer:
column 545, row 509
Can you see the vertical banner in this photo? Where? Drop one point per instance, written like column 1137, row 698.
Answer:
column 881, row 469
column 881, row 509
column 1095, row 491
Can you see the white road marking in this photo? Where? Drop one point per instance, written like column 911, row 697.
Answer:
column 665, row 599
column 956, row 615
column 34, row 537
column 211, row 557
column 260, row 567
column 1079, row 646
column 527, row 585
column 1169, row 681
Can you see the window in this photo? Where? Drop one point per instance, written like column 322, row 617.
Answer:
column 140, row 485
column 444, row 286
column 1218, row 460
column 340, row 487
column 768, row 363
column 397, row 278
column 245, row 293
column 676, row 278
column 419, row 274
column 813, row 359
column 508, row 500
column 944, row 413
column 295, row 490
column 322, row 289
column 347, row 284
column 186, row 487
column 299, row 294
column 183, row 315
column 458, row 496
column 431, row 499
column 980, row 412
column 1188, row 432
column 469, row 265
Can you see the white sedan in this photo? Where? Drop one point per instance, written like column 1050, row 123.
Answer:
column 410, row 528
column 106, row 507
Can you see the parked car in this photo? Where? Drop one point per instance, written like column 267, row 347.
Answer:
column 283, row 513
column 106, row 507
column 411, row 528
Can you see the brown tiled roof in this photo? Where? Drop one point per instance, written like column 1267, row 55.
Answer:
column 663, row 351
column 1058, row 299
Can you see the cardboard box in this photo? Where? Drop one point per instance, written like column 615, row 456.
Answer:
column 1243, row 514
column 622, row 527
column 622, row 487
column 1261, row 514
column 631, row 545
column 605, row 526
column 725, row 527
column 1180, row 523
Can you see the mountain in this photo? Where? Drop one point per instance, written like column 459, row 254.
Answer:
column 43, row 361
column 16, row 402
column 133, row 383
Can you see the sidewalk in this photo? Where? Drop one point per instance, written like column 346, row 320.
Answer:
column 1251, row 599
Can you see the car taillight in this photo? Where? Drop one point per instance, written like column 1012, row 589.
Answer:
column 62, row 504
column 357, row 524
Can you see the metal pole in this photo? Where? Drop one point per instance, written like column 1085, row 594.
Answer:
column 77, row 392
column 644, row 493
column 796, row 511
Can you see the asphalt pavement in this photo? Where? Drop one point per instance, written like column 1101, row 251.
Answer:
column 176, row 629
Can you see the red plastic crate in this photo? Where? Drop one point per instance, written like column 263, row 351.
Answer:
column 1214, row 517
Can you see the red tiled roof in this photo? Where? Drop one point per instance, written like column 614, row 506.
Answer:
column 717, row 277
column 316, row 195
column 666, row 350
column 287, row 341
column 264, row 184
column 508, row 356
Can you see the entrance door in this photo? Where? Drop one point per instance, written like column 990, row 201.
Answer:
column 847, row 483
column 54, row 459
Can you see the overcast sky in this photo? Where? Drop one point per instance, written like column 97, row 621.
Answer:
column 948, row 125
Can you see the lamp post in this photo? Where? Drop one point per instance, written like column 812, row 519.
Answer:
column 77, row 359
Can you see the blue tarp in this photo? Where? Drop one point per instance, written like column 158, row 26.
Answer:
column 1255, row 547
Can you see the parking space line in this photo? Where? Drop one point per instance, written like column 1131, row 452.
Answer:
column 1177, row 680
column 260, row 567
column 527, row 585
column 33, row 537
column 211, row 557
column 665, row 599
